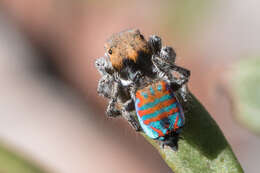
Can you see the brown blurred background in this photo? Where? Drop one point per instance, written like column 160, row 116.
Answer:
column 49, row 109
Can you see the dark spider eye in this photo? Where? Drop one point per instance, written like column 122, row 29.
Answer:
column 141, row 36
column 110, row 51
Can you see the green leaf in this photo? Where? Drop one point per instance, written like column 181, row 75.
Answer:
column 246, row 92
column 13, row 163
column 203, row 148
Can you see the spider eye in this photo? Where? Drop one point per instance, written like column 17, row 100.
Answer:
column 110, row 51
column 141, row 36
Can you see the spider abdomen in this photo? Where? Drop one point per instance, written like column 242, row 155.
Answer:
column 158, row 110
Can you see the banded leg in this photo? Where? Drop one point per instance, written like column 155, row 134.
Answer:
column 104, row 86
column 112, row 111
column 156, row 43
column 180, row 84
column 127, row 113
column 182, row 71
column 104, row 66
column 129, row 108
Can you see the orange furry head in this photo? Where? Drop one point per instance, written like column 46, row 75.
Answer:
column 126, row 45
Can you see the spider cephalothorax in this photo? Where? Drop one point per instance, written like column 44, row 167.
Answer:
column 137, row 78
column 130, row 54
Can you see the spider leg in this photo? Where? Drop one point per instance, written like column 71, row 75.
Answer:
column 185, row 98
column 167, row 54
column 128, row 111
column 156, row 43
column 104, row 86
column 104, row 66
column 165, row 61
column 182, row 71
column 164, row 70
column 177, row 83
column 180, row 84
column 130, row 117
column 112, row 111
column 184, row 92
column 107, row 85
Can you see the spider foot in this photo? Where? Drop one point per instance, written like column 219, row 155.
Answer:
column 135, row 125
column 112, row 111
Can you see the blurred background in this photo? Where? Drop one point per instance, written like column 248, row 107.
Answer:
column 50, row 114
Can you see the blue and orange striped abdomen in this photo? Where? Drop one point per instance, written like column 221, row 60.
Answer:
column 158, row 110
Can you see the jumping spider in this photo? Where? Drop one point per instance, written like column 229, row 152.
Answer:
column 132, row 63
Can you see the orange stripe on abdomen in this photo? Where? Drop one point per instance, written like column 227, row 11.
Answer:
column 150, row 98
column 161, row 116
column 157, row 107
column 160, row 133
column 176, row 123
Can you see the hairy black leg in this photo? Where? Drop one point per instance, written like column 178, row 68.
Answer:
column 129, row 107
column 112, row 111
column 155, row 43
column 132, row 91
column 107, row 80
column 163, row 64
column 104, row 86
column 164, row 71
column 168, row 55
column 177, row 84
column 128, row 111
column 131, row 120
column 104, row 66
column 185, row 98
column 184, row 93
column 182, row 71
